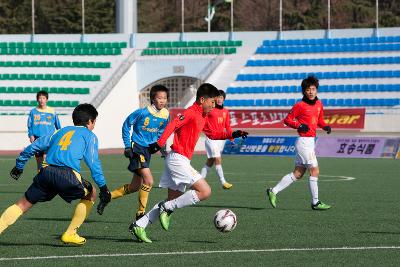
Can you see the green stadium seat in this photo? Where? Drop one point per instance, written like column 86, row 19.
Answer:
column 28, row 90
column 223, row 43
column 238, row 43
column 3, row 89
column 64, row 77
column 53, row 45
column 199, row 43
column 123, row 45
column 10, row 90
column 19, row 90
column 32, row 103
column 25, row 103
column 117, row 51
column 152, row 45
column 25, row 64
column 42, row 64
column 51, row 64
column 36, row 89
column 14, row 76
column 7, row 102
column 68, row 45
column 191, row 44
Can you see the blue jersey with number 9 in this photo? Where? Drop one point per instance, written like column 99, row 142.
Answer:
column 67, row 147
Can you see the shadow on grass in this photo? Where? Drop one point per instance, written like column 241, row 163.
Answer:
column 69, row 219
column 227, row 206
column 5, row 244
column 379, row 232
column 201, row 241
column 113, row 239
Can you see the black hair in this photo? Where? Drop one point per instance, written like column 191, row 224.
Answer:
column 206, row 90
column 42, row 93
column 157, row 88
column 84, row 113
column 222, row 93
column 309, row 81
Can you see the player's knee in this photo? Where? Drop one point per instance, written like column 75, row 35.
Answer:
column 92, row 194
column 204, row 193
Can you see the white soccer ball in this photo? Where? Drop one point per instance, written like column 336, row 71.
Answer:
column 225, row 220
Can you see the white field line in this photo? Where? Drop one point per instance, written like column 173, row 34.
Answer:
column 201, row 252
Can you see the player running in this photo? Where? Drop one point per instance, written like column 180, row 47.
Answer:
column 218, row 118
column 60, row 173
column 42, row 121
column 147, row 125
column 305, row 116
column 178, row 173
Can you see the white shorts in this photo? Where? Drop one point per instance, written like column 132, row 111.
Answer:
column 214, row 147
column 178, row 173
column 305, row 152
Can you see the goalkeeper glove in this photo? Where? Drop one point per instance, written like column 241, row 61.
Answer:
column 154, row 148
column 105, row 198
column 16, row 173
column 128, row 153
column 327, row 129
column 303, row 128
column 239, row 133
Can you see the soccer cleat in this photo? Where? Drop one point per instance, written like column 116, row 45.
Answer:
column 73, row 239
column 139, row 233
column 320, row 206
column 272, row 197
column 139, row 215
column 227, row 185
column 165, row 216
column 100, row 208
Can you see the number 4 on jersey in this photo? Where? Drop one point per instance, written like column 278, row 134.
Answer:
column 65, row 141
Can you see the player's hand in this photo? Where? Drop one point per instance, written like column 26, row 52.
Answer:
column 104, row 195
column 303, row 128
column 32, row 139
column 105, row 198
column 327, row 129
column 239, row 133
column 16, row 173
column 128, row 153
column 154, row 148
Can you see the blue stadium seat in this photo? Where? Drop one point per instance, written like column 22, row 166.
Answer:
column 356, row 102
column 275, row 102
column 348, row 102
column 267, row 102
column 331, row 102
column 364, row 102
column 325, row 102
column 291, row 102
column 283, row 102
column 340, row 102
column 259, row 102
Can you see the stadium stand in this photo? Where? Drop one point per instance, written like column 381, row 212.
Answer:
column 352, row 71
column 191, row 48
column 72, row 70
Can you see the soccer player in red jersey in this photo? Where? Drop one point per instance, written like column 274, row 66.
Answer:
column 217, row 119
column 178, row 173
column 305, row 116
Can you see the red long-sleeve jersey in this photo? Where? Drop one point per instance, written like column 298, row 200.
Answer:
column 218, row 119
column 303, row 113
column 187, row 128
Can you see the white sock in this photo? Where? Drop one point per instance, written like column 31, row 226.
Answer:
column 285, row 182
column 220, row 173
column 149, row 217
column 187, row 199
column 314, row 189
column 204, row 171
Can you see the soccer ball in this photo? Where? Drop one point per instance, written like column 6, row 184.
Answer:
column 225, row 220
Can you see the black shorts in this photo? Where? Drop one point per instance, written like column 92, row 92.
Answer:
column 141, row 158
column 54, row 180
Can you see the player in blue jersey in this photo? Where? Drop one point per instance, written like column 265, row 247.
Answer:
column 60, row 173
column 147, row 125
column 42, row 121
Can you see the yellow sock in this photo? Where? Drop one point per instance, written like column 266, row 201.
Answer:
column 9, row 216
column 143, row 197
column 82, row 211
column 120, row 192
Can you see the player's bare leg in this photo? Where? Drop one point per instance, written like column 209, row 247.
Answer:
column 82, row 211
column 286, row 180
column 316, row 204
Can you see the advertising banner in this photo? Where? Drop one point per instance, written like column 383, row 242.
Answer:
column 273, row 118
column 350, row 147
column 262, row 145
